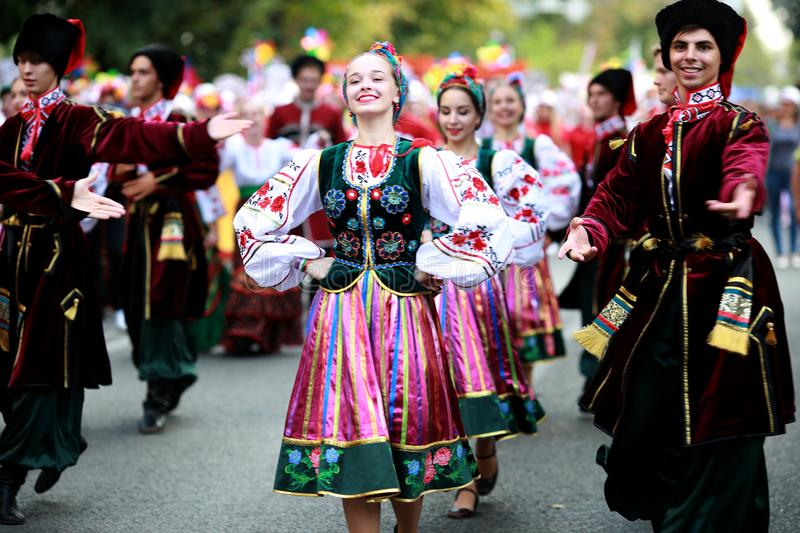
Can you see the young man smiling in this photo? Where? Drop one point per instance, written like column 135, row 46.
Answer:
column 52, row 343
column 695, row 368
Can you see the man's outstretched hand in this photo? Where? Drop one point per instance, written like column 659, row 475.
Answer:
column 741, row 206
column 577, row 246
column 97, row 206
column 224, row 125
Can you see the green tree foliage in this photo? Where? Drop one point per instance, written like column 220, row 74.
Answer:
column 214, row 33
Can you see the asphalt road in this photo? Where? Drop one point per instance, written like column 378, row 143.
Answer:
column 212, row 470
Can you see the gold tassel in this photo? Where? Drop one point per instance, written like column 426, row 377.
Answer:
column 593, row 339
column 727, row 338
column 616, row 143
column 72, row 312
column 171, row 243
column 771, row 338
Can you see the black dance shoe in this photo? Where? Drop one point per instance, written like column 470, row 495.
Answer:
column 152, row 423
column 9, row 514
column 47, row 478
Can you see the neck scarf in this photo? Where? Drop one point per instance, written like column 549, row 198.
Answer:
column 698, row 105
column 35, row 114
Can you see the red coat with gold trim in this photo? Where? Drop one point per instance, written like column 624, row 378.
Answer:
column 724, row 395
column 59, row 338
column 164, row 266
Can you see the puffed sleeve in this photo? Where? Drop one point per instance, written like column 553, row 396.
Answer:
column 562, row 184
column 744, row 158
column 478, row 246
column 522, row 196
column 271, row 256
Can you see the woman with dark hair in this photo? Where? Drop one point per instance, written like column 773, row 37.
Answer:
column 495, row 398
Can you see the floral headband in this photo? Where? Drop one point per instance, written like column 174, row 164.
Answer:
column 466, row 78
column 386, row 50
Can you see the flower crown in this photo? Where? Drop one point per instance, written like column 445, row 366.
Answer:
column 465, row 77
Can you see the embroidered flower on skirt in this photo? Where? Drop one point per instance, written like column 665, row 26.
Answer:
column 394, row 199
column 348, row 243
column 378, row 223
column 390, row 245
column 352, row 223
column 334, row 203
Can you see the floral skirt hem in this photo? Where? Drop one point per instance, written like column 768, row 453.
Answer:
column 522, row 415
column 376, row 470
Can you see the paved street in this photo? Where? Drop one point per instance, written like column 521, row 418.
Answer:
column 212, row 470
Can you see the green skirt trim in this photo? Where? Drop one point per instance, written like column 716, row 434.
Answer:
column 483, row 416
column 375, row 470
column 534, row 347
column 43, row 429
column 522, row 415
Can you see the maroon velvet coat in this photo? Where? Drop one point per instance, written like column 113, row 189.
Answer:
column 723, row 394
column 167, row 288
column 59, row 340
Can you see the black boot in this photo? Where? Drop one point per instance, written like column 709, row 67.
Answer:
column 50, row 476
column 11, row 479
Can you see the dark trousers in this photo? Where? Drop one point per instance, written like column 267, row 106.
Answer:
column 716, row 487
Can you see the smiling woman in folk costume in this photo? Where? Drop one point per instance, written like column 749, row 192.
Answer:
column 494, row 396
column 531, row 299
column 43, row 275
column 373, row 414
column 695, row 367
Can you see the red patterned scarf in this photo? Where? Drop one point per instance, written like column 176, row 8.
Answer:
column 35, row 114
column 699, row 104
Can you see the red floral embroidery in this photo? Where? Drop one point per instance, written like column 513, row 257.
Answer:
column 430, row 472
column 469, row 195
column 479, row 184
column 442, row 457
column 263, row 190
column 351, row 194
column 264, row 202
column 514, row 193
column 474, row 234
column 529, row 179
column 277, row 204
column 361, row 167
column 479, row 244
column 525, row 190
column 459, row 239
column 244, row 237
column 314, row 456
column 407, row 219
column 375, row 194
column 494, row 201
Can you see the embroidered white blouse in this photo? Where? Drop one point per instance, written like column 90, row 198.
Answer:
column 451, row 192
column 560, row 179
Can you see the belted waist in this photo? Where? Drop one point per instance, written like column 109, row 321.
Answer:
column 26, row 219
column 697, row 244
